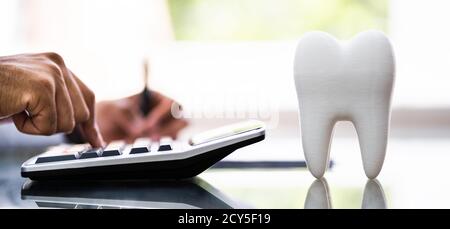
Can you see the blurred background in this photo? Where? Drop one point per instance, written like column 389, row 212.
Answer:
column 228, row 58
column 233, row 59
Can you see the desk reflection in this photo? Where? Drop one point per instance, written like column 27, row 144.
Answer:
column 318, row 196
column 373, row 197
column 193, row 193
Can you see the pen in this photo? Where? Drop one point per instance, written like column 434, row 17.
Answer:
column 145, row 96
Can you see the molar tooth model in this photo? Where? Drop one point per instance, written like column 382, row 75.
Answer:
column 344, row 81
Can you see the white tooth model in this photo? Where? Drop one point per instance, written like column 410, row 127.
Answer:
column 344, row 81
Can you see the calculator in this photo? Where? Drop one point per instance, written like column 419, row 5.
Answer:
column 143, row 159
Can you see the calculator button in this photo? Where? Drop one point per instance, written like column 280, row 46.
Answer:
column 91, row 153
column 111, row 153
column 114, row 148
column 65, row 157
column 165, row 144
column 164, row 148
column 137, row 150
column 141, row 145
column 58, row 153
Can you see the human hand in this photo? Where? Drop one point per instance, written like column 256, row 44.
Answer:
column 44, row 97
column 122, row 119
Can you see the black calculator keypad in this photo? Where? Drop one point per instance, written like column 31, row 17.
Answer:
column 116, row 148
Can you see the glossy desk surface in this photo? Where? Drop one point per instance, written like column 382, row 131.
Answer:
column 415, row 175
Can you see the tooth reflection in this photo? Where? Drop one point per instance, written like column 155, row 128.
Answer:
column 373, row 197
column 318, row 196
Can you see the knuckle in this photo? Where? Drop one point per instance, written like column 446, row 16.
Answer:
column 55, row 70
column 55, row 57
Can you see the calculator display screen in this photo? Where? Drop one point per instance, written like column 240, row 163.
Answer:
column 225, row 131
